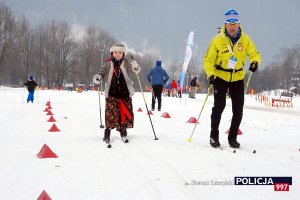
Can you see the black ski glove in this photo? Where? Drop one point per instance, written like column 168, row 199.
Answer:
column 253, row 66
column 211, row 79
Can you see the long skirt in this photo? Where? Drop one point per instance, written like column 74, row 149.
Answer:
column 118, row 113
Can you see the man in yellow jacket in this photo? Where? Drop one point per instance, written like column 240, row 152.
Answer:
column 224, row 65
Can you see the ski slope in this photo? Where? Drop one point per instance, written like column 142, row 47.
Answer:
column 144, row 168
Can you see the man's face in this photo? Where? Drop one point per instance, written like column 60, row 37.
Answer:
column 232, row 29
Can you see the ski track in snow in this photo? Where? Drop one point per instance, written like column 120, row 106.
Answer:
column 143, row 168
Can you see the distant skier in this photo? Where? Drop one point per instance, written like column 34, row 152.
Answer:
column 179, row 89
column 158, row 77
column 174, row 88
column 194, row 83
column 31, row 85
column 223, row 64
column 118, row 92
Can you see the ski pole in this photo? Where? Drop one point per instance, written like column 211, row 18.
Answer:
column 23, row 94
column 208, row 91
column 248, row 81
column 4, row 93
column 101, row 125
column 138, row 78
column 37, row 94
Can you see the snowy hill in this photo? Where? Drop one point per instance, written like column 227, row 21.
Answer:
column 169, row 168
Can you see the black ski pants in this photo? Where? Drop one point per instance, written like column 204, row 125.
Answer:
column 157, row 91
column 236, row 91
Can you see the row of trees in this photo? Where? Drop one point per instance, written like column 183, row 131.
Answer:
column 52, row 54
column 283, row 73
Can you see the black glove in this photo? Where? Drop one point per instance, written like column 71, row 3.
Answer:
column 253, row 66
column 211, row 80
column 165, row 81
column 218, row 67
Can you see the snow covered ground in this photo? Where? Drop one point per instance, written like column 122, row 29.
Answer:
column 144, row 168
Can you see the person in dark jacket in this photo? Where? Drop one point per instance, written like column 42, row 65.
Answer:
column 158, row 77
column 118, row 91
column 30, row 84
column 193, row 85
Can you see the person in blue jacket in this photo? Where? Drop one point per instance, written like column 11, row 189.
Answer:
column 158, row 77
column 31, row 85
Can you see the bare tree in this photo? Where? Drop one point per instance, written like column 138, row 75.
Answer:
column 23, row 47
column 60, row 51
column 93, row 49
column 6, row 31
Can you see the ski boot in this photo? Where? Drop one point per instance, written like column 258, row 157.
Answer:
column 106, row 137
column 214, row 138
column 123, row 135
column 232, row 139
column 214, row 142
column 234, row 144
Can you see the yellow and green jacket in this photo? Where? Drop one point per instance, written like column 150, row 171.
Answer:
column 219, row 53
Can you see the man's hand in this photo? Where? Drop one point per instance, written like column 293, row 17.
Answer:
column 253, row 66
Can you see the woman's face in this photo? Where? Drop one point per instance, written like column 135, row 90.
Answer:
column 118, row 54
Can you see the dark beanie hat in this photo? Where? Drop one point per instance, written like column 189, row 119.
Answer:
column 158, row 63
column 31, row 78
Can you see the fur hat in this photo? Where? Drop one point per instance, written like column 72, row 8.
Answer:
column 118, row 47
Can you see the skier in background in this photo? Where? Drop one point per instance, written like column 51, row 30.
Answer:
column 174, row 88
column 31, row 85
column 158, row 77
column 118, row 91
column 193, row 85
column 179, row 89
column 223, row 65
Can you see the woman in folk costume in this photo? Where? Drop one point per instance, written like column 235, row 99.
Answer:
column 116, row 73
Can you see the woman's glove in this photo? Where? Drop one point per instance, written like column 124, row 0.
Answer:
column 97, row 79
column 135, row 67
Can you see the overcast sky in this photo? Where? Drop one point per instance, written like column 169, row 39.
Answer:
column 162, row 26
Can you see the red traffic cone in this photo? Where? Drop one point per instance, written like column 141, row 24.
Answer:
column 150, row 113
column 44, row 196
column 46, row 152
column 51, row 119
column 46, row 110
column 166, row 115
column 140, row 110
column 54, row 128
column 49, row 112
column 192, row 120
column 48, row 103
column 239, row 132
